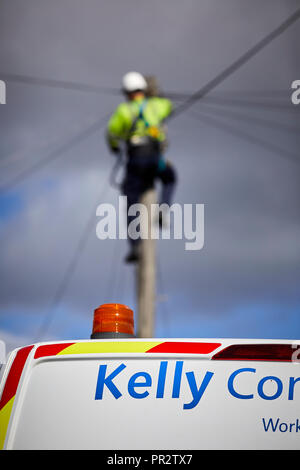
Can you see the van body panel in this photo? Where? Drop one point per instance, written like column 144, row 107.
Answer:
column 153, row 394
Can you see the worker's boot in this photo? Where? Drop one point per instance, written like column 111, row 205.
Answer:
column 133, row 255
column 163, row 220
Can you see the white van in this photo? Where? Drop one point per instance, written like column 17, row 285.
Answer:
column 152, row 394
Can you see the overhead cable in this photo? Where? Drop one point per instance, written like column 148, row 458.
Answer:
column 54, row 154
column 212, row 121
column 228, row 71
column 63, row 285
column 258, row 121
column 52, row 83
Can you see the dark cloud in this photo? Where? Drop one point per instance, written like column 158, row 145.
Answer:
column 250, row 191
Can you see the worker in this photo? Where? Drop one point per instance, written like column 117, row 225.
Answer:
column 138, row 123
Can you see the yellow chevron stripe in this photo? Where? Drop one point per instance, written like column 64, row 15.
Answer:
column 109, row 347
column 4, row 420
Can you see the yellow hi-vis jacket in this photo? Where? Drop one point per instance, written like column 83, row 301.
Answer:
column 138, row 118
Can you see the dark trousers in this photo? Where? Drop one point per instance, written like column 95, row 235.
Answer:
column 142, row 171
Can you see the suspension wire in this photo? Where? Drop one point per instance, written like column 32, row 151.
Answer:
column 118, row 165
column 236, row 65
column 52, row 83
column 264, row 95
column 220, row 101
column 267, row 94
column 75, row 86
column 212, row 121
column 114, row 91
column 232, row 113
column 54, row 154
column 71, row 267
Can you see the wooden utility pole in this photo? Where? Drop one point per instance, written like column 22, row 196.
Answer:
column 146, row 267
column 152, row 86
column 146, row 271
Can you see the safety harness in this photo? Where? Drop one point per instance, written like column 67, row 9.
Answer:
column 153, row 132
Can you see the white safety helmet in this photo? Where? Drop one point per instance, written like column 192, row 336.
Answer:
column 133, row 81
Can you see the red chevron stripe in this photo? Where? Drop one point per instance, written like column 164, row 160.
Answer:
column 50, row 349
column 12, row 381
column 184, row 347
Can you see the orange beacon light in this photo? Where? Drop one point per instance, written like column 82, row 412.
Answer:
column 113, row 321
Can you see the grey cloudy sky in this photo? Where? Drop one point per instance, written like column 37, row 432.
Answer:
column 240, row 160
